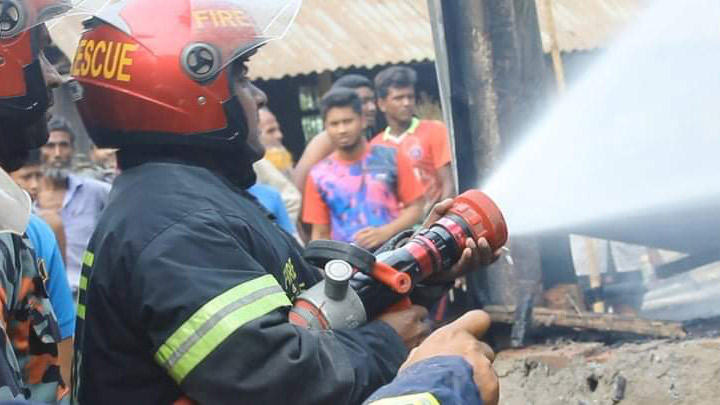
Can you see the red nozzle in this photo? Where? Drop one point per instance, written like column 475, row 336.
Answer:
column 483, row 216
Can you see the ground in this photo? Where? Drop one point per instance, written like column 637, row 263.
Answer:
column 655, row 373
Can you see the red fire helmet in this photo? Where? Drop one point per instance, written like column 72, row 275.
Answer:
column 23, row 95
column 160, row 72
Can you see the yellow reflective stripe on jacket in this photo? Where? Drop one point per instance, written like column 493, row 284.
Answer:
column 83, row 283
column 88, row 258
column 424, row 398
column 215, row 321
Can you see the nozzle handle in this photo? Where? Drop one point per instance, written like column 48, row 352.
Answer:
column 398, row 281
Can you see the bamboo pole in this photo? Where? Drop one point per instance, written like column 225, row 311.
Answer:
column 558, row 67
column 595, row 273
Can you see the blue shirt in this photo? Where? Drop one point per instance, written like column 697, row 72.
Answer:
column 46, row 248
column 84, row 200
column 272, row 201
column 437, row 380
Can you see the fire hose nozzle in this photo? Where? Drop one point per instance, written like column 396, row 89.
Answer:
column 436, row 248
column 482, row 216
column 386, row 281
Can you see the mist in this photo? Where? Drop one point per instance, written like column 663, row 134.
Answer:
column 639, row 130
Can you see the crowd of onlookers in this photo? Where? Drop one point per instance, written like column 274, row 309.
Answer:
column 354, row 182
column 69, row 191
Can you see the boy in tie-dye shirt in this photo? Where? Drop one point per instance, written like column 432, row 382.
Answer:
column 361, row 194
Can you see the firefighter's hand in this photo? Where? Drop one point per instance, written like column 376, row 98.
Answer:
column 371, row 238
column 460, row 338
column 477, row 253
column 411, row 324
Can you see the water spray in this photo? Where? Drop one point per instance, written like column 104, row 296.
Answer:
column 635, row 133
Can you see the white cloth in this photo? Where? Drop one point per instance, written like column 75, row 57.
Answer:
column 625, row 256
column 15, row 206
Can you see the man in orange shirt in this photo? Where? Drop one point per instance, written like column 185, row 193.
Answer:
column 425, row 142
column 361, row 193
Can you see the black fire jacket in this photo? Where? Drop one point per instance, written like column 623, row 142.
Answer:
column 185, row 291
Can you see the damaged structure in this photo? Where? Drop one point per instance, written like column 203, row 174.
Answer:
column 492, row 66
column 494, row 78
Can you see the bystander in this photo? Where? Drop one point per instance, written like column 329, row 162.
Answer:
column 271, row 137
column 30, row 177
column 102, row 164
column 362, row 194
column 78, row 199
column 50, row 264
column 425, row 142
column 321, row 146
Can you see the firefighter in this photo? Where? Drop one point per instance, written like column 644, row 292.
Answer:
column 29, row 366
column 186, row 283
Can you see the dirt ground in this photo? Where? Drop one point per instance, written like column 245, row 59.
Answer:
column 655, row 373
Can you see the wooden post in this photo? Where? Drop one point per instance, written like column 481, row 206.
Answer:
column 558, row 67
column 493, row 77
column 560, row 83
column 595, row 273
column 468, row 92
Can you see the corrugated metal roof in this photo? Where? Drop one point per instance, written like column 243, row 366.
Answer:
column 342, row 33
column 586, row 24
column 332, row 34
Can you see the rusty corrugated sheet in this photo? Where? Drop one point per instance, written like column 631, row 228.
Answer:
column 328, row 35
column 586, row 24
column 338, row 34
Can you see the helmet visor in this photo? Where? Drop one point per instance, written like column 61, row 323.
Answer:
column 18, row 16
column 217, row 32
column 236, row 27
